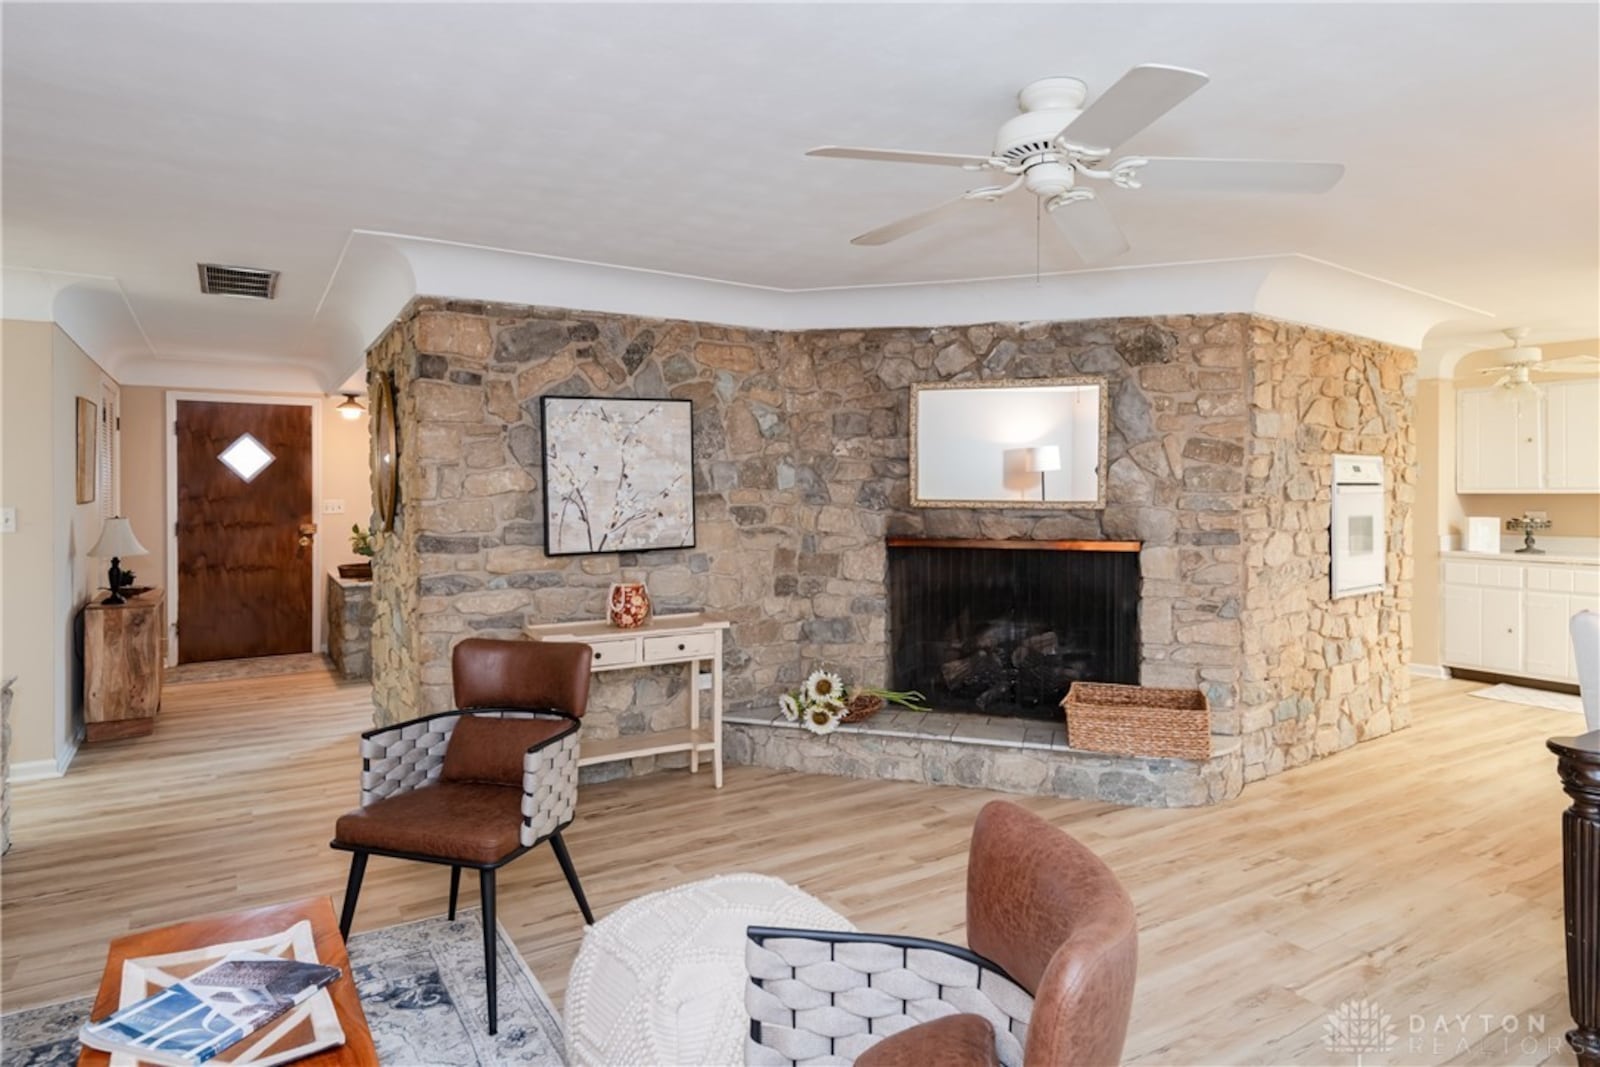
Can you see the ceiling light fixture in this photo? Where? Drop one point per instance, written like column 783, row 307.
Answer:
column 351, row 407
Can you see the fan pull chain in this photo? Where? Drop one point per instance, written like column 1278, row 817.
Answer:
column 1038, row 240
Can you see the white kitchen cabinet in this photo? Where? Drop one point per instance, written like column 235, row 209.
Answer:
column 1498, row 442
column 1572, row 435
column 1511, row 617
column 1463, row 624
column 1549, row 648
column 1513, row 442
column 1501, row 623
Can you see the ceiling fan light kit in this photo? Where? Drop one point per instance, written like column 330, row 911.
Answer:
column 1057, row 140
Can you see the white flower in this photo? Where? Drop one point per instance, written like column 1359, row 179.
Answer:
column 823, row 685
column 789, row 706
column 821, row 718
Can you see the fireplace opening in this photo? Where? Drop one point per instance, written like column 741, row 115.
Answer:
column 1006, row 627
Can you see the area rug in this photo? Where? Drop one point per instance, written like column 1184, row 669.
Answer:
column 1538, row 698
column 421, row 986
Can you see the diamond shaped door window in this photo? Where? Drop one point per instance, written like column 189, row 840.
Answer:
column 246, row 457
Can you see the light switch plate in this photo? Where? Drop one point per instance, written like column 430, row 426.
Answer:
column 333, row 507
column 8, row 520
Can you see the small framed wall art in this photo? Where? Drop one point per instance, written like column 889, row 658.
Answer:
column 618, row 475
column 88, row 453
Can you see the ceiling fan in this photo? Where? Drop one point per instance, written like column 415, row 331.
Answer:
column 1522, row 362
column 1056, row 142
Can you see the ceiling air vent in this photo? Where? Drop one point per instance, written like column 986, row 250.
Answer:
column 238, row 281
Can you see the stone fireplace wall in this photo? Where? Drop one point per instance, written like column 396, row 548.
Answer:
column 801, row 471
column 1321, row 674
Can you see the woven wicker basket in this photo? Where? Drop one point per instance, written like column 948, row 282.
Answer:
column 862, row 707
column 1133, row 720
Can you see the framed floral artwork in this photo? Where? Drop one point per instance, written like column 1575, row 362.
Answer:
column 618, row 475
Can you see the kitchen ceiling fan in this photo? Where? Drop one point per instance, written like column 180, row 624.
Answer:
column 1057, row 142
column 1522, row 362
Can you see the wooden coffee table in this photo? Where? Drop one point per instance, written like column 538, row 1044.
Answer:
column 357, row 1050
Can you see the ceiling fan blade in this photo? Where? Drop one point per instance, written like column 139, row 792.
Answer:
column 1501, row 382
column 912, row 223
column 1571, row 364
column 1237, row 175
column 1143, row 95
column 1089, row 229
column 895, row 155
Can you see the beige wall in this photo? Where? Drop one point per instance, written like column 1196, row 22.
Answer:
column 1440, row 509
column 77, row 526
column 50, row 574
column 26, row 484
column 345, row 477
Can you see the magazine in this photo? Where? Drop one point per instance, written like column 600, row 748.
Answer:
column 209, row 1011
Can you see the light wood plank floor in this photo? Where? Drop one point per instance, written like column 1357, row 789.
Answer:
column 1421, row 871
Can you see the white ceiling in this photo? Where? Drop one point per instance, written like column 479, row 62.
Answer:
column 139, row 139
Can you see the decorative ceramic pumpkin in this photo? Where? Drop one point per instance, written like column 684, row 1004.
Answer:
column 628, row 605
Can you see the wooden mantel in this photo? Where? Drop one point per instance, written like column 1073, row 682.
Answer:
column 1032, row 546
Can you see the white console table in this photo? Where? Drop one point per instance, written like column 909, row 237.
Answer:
column 692, row 639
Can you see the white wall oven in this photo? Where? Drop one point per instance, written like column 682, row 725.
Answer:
column 1360, row 556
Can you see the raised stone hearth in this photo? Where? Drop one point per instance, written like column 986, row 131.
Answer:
column 1002, row 753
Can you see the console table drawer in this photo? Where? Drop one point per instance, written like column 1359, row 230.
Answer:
column 618, row 652
column 672, row 649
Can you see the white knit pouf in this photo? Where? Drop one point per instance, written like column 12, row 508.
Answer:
column 661, row 979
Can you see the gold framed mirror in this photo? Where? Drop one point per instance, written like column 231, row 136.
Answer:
column 1037, row 443
column 385, row 451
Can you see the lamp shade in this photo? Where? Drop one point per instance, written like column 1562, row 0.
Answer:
column 1044, row 458
column 117, row 541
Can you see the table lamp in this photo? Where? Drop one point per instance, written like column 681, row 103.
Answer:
column 1041, row 459
column 116, row 543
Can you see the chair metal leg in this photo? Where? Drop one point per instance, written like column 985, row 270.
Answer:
column 486, row 893
column 567, row 869
column 352, row 890
column 455, row 889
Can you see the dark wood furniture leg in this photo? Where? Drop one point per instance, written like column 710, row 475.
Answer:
column 455, row 889
column 1578, row 764
column 352, row 889
column 571, row 872
column 486, row 892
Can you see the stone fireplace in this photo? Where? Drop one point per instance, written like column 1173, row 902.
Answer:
column 1005, row 627
column 1220, row 431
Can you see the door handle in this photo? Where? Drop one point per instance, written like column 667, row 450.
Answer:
column 308, row 530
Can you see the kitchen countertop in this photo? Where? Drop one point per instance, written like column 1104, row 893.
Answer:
column 1512, row 557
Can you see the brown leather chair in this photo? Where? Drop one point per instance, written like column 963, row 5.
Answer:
column 479, row 786
column 1048, row 978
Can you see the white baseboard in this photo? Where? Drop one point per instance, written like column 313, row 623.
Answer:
column 1428, row 670
column 64, row 758
column 39, row 770
column 36, row 770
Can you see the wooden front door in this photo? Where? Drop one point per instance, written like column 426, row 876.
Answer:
column 244, row 501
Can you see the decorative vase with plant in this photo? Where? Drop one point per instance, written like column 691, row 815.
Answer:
column 361, row 545
column 824, row 702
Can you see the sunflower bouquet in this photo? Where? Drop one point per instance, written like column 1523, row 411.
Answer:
column 824, row 701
